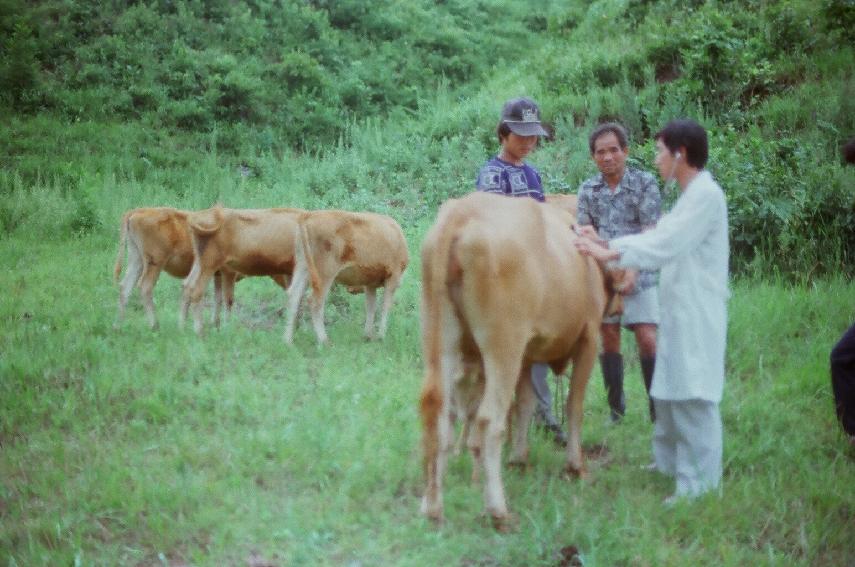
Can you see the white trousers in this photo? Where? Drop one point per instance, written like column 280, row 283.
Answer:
column 687, row 444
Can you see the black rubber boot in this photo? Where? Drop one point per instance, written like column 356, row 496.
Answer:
column 611, row 364
column 648, row 364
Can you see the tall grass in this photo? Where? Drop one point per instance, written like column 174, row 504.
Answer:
column 136, row 448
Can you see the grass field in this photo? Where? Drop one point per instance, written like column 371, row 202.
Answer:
column 134, row 447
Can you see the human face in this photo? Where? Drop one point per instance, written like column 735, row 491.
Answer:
column 610, row 157
column 515, row 147
column 665, row 162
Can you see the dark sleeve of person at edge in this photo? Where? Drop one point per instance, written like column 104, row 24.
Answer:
column 843, row 355
column 843, row 380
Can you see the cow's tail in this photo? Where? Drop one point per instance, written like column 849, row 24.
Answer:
column 436, row 256
column 123, row 241
column 303, row 252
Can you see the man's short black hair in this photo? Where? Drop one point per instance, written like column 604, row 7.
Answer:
column 609, row 128
column 687, row 134
column 502, row 130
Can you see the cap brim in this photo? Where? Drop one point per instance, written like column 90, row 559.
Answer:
column 527, row 128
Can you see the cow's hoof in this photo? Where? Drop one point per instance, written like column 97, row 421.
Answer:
column 432, row 513
column 573, row 472
column 504, row 523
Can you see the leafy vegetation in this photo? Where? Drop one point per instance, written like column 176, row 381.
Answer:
column 145, row 91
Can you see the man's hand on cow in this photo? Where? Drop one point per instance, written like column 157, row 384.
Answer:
column 588, row 247
column 589, row 232
column 627, row 283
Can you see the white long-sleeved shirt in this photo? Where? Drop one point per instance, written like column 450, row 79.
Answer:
column 690, row 247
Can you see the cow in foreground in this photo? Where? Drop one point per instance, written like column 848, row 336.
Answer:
column 502, row 287
column 248, row 242
column 567, row 202
column 156, row 239
column 359, row 250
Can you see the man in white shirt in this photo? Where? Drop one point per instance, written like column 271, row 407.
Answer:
column 689, row 246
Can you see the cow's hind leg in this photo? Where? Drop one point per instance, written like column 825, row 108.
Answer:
column 299, row 281
column 218, row 298
column 133, row 271
column 316, row 303
column 474, row 437
column 436, row 410
column 370, row 310
column 501, row 372
column 389, row 288
column 149, row 279
column 523, row 411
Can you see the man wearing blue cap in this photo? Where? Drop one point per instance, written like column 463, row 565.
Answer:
column 507, row 173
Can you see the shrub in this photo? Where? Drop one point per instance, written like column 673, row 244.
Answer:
column 19, row 67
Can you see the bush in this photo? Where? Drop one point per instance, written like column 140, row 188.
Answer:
column 19, row 68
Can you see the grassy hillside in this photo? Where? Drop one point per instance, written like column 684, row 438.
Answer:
column 774, row 85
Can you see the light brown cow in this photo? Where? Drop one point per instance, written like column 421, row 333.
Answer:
column 249, row 242
column 156, row 239
column 502, row 287
column 366, row 250
column 567, row 202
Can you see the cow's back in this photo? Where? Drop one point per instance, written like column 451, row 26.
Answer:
column 513, row 263
column 564, row 201
column 256, row 242
column 363, row 248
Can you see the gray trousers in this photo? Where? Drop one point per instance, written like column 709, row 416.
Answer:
column 542, row 394
column 687, row 444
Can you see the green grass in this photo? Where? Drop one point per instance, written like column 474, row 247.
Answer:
column 133, row 447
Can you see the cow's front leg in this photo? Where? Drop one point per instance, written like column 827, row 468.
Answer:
column 149, row 279
column 132, row 275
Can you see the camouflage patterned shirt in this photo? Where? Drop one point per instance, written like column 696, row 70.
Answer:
column 633, row 205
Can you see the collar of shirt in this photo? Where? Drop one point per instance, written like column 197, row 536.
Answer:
column 600, row 183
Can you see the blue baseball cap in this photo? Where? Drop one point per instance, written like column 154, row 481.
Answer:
column 523, row 117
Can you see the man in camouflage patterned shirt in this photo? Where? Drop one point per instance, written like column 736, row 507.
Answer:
column 621, row 200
